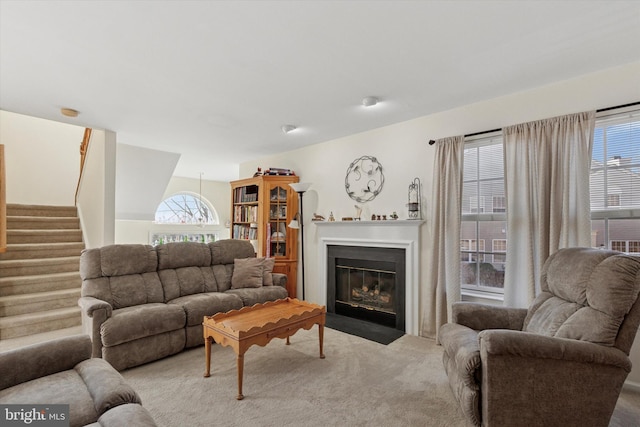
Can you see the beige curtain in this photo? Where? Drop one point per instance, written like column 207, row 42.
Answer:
column 443, row 278
column 547, row 166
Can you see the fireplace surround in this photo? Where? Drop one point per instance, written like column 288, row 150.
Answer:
column 397, row 234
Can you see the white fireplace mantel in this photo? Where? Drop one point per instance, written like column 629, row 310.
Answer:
column 402, row 234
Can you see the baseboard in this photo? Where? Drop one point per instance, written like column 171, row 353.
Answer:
column 631, row 386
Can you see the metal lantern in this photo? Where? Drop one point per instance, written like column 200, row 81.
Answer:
column 414, row 205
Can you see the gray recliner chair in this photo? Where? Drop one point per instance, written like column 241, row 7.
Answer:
column 562, row 361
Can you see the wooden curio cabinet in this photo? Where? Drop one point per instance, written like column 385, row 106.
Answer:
column 261, row 209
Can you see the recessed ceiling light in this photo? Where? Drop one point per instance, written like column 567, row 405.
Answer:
column 69, row 112
column 369, row 101
column 288, row 128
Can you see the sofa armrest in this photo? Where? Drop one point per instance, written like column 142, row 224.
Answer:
column 482, row 316
column 106, row 386
column 90, row 305
column 42, row 359
column 129, row 414
column 535, row 346
column 279, row 279
column 94, row 312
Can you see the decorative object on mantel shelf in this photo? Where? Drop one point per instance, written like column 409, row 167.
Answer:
column 358, row 213
column 317, row 217
column 364, row 179
column 415, row 211
column 375, row 217
column 393, row 215
column 331, row 217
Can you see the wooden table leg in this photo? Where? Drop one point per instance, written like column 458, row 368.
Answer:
column 321, row 337
column 240, row 372
column 288, row 341
column 207, row 352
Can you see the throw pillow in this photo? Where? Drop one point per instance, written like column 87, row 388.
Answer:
column 267, row 269
column 247, row 273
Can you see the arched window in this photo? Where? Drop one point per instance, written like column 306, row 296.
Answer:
column 186, row 208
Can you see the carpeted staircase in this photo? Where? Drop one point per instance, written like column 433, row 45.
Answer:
column 39, row 272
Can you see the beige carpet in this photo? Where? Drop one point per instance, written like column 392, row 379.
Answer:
column 359, row 383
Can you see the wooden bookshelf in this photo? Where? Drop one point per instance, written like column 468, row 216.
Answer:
column 261, row 209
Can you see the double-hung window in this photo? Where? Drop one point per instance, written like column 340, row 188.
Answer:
column 615, row 198
column 615, row 181
column 483, row 238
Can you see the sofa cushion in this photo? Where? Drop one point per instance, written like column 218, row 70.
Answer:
column 267, row 270
column 117, row 260
column 146, row 349
column 44, row 358
column 183, row 254
column 135, row 289
column 199, row 305
column 225, row 251
column 122, row 275
column 66, row 387
column 105, row 384
column 131, row 323
column 251, row 296
column 247, row 273
column 585, row 295
column 223, row 274
column 183, row 281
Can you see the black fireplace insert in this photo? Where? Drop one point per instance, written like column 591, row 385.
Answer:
column 367, row 283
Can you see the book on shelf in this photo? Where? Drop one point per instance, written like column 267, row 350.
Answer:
column 244, row 232
column 246, row 194
column 245, row 213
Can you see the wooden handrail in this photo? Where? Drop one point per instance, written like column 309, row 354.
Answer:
column 3, row 203
column 84, row 148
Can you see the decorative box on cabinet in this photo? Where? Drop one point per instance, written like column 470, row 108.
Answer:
column 261, row 209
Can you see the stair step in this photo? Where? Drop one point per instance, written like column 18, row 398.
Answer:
column 41, row 210
column 42, row 250
column 14, row 305
column 33, row 323
column 42, row 222
column 19, row 285
column 19, row 342
column 30, row 267
column 43, row 236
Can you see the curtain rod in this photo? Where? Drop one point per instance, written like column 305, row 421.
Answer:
column 432, row 141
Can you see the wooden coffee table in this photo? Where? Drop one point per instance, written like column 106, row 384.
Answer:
column 259, row 324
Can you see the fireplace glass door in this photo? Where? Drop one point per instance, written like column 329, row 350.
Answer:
column 367, row 288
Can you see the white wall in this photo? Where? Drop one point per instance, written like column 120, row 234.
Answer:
column 403, row 151
column 96, row 193
column 142, row 174
column 42, row 159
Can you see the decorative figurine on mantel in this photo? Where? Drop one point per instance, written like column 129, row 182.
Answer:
column 331, row 217
column 317, row 217
column 358, row 213
column 393, row 215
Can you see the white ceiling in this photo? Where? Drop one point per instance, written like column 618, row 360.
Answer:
column 215, row 80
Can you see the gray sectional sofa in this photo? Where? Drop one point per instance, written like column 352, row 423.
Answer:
column 62, row 371
column 142, row 303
